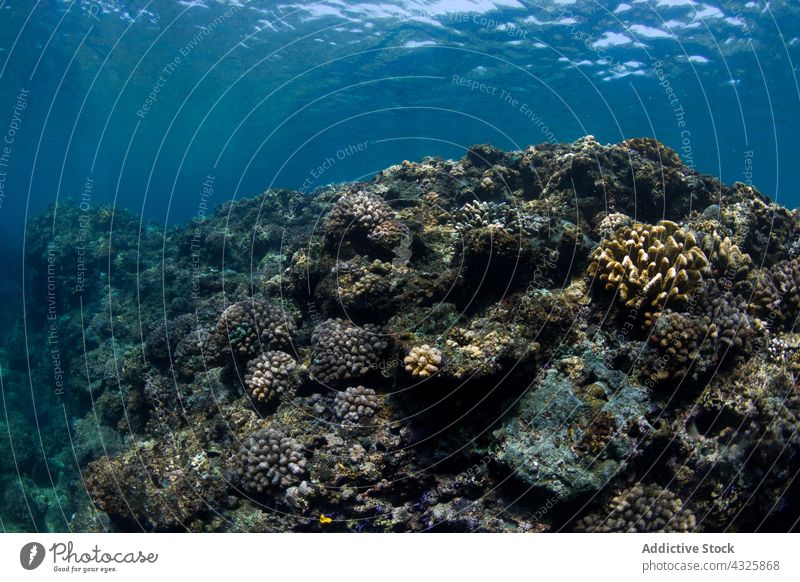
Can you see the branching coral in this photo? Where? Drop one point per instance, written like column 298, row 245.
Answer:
column 423, row 361
column 389, row 234
column 651, row 265
column 271, row 375
column 253, row 325
column 728, row 313
column 726, row 259
column 641, row 509
column 683, row 344
column 342, row 350
column 359, row 212
column 355, row 403
column 481, row 215
column 270, row 460
column 691, row 345
column 498, row 215
column 777, row 292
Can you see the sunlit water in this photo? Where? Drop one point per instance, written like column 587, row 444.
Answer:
column 147, row 99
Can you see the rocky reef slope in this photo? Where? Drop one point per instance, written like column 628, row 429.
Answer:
column 570, row 337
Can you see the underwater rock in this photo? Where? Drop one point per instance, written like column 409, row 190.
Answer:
column 447, row 304
column 571, row 435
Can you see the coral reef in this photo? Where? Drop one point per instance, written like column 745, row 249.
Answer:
column 571, row 336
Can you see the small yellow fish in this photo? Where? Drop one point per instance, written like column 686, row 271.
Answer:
column 323, row 519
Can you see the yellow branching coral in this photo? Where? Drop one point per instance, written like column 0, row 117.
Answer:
column 423, row 361
column 650, row 265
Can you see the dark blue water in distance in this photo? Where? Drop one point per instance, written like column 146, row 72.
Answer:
column 155, row 105
column 263, row 93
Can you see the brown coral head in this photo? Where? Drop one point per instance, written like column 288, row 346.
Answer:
column 423, row 361
column 655, row 265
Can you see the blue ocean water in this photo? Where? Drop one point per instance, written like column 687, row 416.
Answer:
column 165, row 108
column 137, row 103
